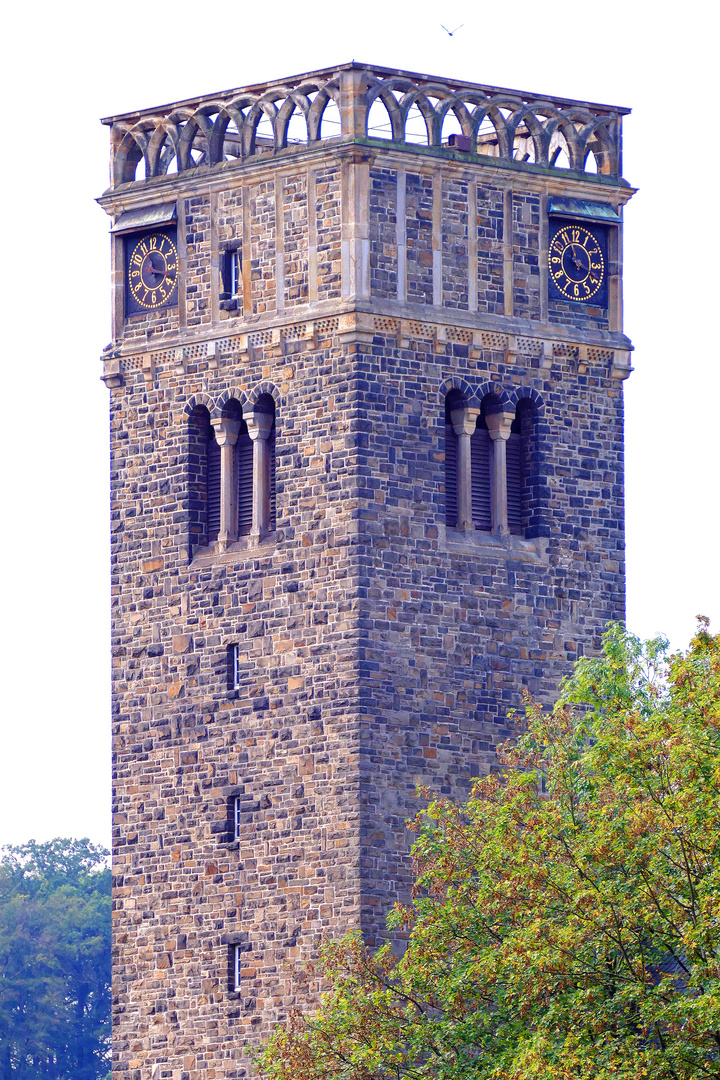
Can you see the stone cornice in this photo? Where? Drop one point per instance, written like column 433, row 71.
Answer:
column 351, row 325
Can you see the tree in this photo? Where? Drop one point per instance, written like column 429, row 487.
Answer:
column 566, row 919
column 54, row 961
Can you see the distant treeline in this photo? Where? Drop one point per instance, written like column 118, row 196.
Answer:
column 54, row 961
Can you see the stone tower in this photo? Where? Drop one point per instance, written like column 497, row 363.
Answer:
column 367, row 486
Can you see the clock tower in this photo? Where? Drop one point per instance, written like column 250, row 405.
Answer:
column 365, row 382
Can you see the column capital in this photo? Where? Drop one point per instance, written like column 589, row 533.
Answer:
column 259, row 424
column 464, row 420
column 499, row 425
column 226, row 430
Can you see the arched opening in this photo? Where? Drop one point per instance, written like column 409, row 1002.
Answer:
column 559, row 155
column 518, row 458
column 488, row 140
column 232, row 142
column 524, row 145
column 203, row 467
column 591, row 163
column 297, row 131
column 266, row 406
column 330, row 124
column 242, row 464
column 450, row 126
column 415, row 127
column 379, row 125
column 481, row 456
column 264, row 134
column 453, row 400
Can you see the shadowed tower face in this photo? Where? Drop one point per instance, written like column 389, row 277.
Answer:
column 367, row 487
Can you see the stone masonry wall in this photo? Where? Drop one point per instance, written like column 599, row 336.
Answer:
column 377, row 650
column 329, row 216
column 383, row 233
column 526, row 254
column 263, row 252
column 419, row 233
column 455, row 244
column 490, row 217
column 295, row 238
column 185, row 745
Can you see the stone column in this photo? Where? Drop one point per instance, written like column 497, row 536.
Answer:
column 259, row 425
column 499, row 425
column 226, row 435
column 463, row 422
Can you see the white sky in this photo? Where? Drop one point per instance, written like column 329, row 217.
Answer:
column 65, row 65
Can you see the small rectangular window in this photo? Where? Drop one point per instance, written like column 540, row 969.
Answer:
column 231, row 272
column 233, row 664
column 238, row 954
column 236, row 817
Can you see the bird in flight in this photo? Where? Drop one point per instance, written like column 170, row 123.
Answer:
column 451, row 32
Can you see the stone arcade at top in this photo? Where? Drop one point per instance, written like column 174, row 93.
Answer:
column 367, row 486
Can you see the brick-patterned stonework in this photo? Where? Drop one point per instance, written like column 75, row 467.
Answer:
column 377, row 647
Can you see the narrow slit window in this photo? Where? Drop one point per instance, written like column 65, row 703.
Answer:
column 237, row 967
column 236, row 817
column 231, row 272
column 233, row 657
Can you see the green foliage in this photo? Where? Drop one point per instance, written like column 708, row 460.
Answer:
column 566, row 919
column 54, row 961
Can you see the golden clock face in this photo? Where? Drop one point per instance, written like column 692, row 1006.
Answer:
column 152, row 273
column 577, row 267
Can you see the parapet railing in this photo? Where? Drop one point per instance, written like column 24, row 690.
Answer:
column 356, row 102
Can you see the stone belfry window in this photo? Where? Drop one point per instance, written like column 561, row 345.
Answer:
column 231, row 474
column 487, row 474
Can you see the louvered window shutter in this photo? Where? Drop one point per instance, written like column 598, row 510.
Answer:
column 271, row 451
column 213, row 488
column 481, row 459
column 451, row 503
column 244, row 470
column 513, row 459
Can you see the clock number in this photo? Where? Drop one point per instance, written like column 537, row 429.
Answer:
column 575, row 233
